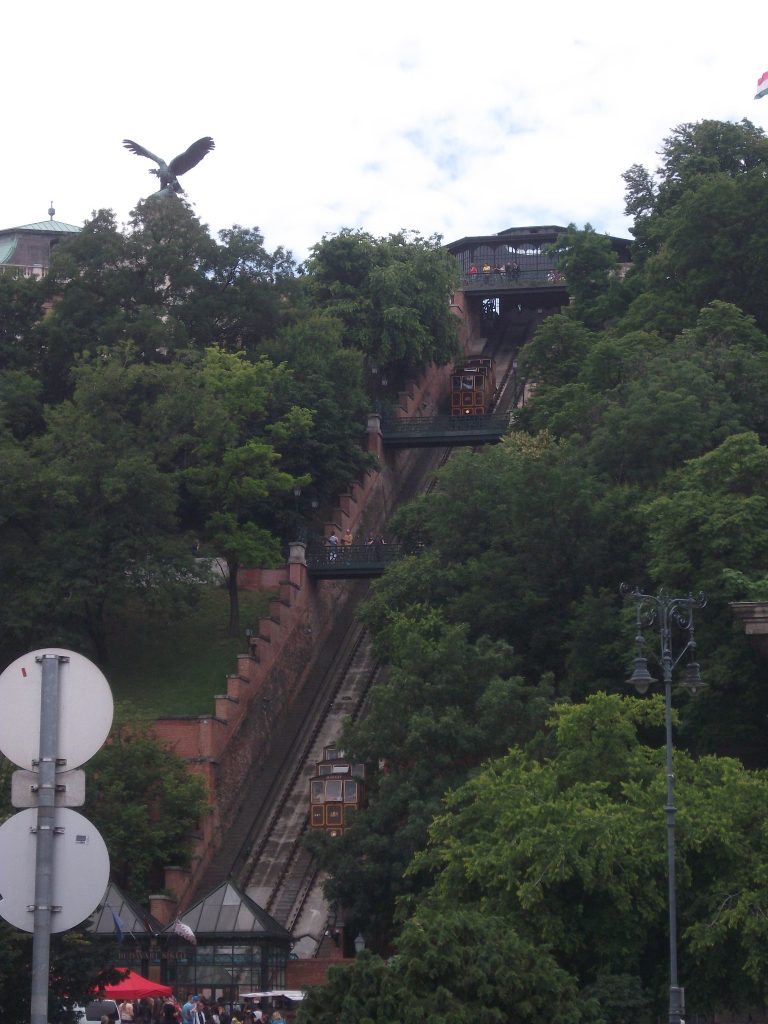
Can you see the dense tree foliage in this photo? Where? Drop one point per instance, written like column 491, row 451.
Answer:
column 446, row 703
column 176, row 392
column 639, row 456
column 145, row 803
column 390, row 294
column 700, row 224
column 560, row 863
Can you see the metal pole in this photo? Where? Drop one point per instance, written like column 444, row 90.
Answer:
column 671, row 611
column 49, row 740
column 675, row 995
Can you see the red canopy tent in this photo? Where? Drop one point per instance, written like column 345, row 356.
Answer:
column 134, row 987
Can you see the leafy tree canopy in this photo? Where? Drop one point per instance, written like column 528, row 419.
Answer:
column 145, row 803
column 391, row 294
column 566, row 849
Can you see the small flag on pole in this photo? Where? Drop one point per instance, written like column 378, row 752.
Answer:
column 179, row 928
column 119, row 926
column 762, row 85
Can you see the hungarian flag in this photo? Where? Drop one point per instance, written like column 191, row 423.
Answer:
column 762, row 85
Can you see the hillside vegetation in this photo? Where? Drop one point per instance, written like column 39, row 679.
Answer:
column 513, row 852
column 183, row 395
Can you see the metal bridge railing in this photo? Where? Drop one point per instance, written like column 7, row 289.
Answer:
column 351, row 559
column 526, row 279
column 485, row 423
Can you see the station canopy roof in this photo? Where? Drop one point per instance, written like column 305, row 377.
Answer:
column 228, row 912
column 117, row 913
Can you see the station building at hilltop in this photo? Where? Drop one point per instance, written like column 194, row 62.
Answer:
column 26, row 250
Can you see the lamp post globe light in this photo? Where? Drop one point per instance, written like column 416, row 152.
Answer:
column 672, row 617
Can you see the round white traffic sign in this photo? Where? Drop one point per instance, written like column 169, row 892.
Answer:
column 85, row 709
column 80, row 869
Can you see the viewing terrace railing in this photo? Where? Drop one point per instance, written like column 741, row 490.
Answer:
column 350, row 561
column 525, row 279
column 16, row 270
column 443, row 431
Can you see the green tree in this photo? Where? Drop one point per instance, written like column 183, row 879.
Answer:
column 512, row 536
column 569, row 850
column 21, row 301
column 700, row 225
column 327, row 378
column 445, row 706
column 391, row 294
column 145, row 803
column 239, row 426
column 591, row 268
column 449, row 964
column 689, row 155
column 160, row 289
column 108, row 529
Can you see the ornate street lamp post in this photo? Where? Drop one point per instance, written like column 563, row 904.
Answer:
column 670, row 615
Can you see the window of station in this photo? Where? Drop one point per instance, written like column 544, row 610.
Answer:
column 317, row 791
column 350, row 791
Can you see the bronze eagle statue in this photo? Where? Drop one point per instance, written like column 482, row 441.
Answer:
column 168, row 173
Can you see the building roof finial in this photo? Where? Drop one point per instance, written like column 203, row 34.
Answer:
column 51, row 210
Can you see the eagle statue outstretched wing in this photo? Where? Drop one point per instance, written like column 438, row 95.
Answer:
column 168, row 173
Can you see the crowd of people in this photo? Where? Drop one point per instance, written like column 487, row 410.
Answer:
column 510, row 270
column 196, row 1010
column 339, row 547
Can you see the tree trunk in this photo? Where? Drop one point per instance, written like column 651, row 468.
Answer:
column 97, row 628
column 234, row 598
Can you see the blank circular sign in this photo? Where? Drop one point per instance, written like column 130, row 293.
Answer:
column 80, row 869
column 85, row 708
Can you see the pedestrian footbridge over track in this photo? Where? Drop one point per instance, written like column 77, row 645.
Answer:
column 352, row 561
column 443, row 431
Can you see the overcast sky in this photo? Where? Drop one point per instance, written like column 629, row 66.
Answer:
column 444, row 117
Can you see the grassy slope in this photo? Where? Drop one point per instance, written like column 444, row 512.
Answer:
column 173, row 665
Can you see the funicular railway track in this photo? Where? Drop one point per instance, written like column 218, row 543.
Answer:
column 279, row 871
column 263, row 851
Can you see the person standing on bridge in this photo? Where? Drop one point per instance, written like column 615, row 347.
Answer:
column 346, row 541
column 333, row 546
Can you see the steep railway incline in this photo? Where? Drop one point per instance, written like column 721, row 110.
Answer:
column 281, row 872
column 266, row 784
column 262, row 851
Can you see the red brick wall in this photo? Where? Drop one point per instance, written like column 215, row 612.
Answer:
column 306, row 973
